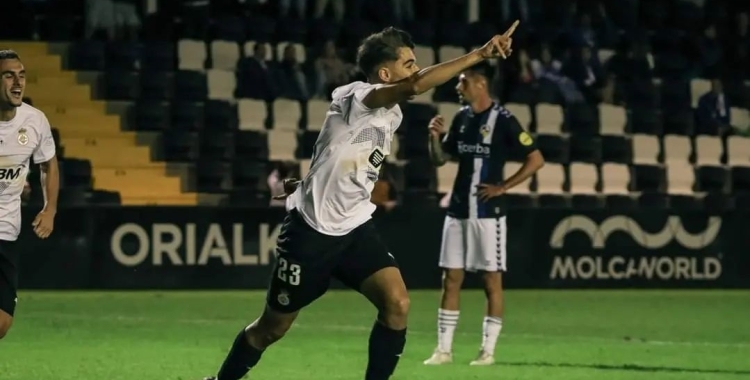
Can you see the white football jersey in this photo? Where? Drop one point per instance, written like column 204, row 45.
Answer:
column 334, row 197
column 27, row 135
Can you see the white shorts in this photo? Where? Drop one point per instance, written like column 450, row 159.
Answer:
column 474, row 244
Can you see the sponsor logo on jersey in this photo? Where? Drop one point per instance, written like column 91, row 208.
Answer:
column 473, row 148
column 376, row 158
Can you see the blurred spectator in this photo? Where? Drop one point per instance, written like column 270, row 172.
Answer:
column 403, row 10
column 282, row 171
column 256, row 80
column 119, row 19
column 337, row 5
column 331, row 70
column 552, row 83
column 300, row 6
column 295, row 82
column 710, row 53
column 584, row 70
column 713, row 113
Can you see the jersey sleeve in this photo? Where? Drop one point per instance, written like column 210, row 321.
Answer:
column 46, row 148
column 352, row 104
column 450, row 145
column 518, row 138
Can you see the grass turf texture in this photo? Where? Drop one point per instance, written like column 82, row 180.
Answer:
column 546, row 335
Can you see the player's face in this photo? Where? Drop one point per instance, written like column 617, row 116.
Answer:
column 469, row 87
column 14, row 82
column 402, row 68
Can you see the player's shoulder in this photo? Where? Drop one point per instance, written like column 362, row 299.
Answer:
column 351, row 89
column 503, row 113
column 31, row 115
column 29, row 110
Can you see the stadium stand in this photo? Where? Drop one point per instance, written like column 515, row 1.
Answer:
column 201, row 110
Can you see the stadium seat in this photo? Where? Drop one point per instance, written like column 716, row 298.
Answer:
column 738, row 151
column 191, row 55
column 190, row 86
column 299, row 50
column 708, row 150
column 120, row 85
column 306, row 144
column 554, row 148
column 646, row 149
column 420, row 175
column 87, row 56
column 653, row 200
column 550, row 179
column 282, row 145
column 425, row 55
column 645, row 121
column 447, row 52
column 649, row 178
column 76, row 173
column 586, row 201
column 122, row 55
column 180, row 146
column 522, row 112
column 617, row 149
column 740, row 179
column 740, row 118
column 216, row 145
column 582, row 119
column 713, row 179
column 287, row 114
column 613, row 119
column 620, row 202
column 448, row 110
column 680, row 178
column 698, row 88
column 685, row 202
column 549, row 119
column 584, row 178
column 155, row 85
column 251, row 145
column 680, row 122
column 316, row 114
column 524, row 187
column 717, row 202
column 585, row 149
column 555, row 201
column 221, row 116
column 106, row 197
column 250, row 175
column 519, row 201
column 677, row 149
column 221, row 84
column 616, row 178
column 213, row 176
column 252, row 114
column 304, row 168
column 446, row 176
column 74, row 197
column 188, row 116
column 158, row 56
column 224, row 55
column 151, row 116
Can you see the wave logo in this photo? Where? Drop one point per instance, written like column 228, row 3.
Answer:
column 598, row 233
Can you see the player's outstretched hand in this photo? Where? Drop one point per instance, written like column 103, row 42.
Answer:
column 290, row 185
column 43, row 224
column 500, row 45
column 485, row 191
column 437, row 126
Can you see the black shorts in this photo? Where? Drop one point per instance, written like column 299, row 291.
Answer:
column 8, row 276
column 307, row 261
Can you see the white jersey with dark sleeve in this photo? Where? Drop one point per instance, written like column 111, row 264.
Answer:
column 334, row 197
column 27, row 135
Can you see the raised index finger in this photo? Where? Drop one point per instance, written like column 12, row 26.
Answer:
column 512, row 29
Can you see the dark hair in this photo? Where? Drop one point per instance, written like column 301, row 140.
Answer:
column 8, row 54
column 381, row 47
column 484, row 69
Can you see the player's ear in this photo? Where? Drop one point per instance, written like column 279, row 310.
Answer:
column 384, row 74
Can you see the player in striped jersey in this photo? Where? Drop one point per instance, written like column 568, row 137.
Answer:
column 481, row 138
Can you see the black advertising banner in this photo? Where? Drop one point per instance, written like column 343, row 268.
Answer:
column 233, row 248
column 654, row 249
column 196, row 248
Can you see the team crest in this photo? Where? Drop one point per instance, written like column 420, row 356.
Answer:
column 283, row 298
column 23, row 138
column 484, row 130
column 525, row 139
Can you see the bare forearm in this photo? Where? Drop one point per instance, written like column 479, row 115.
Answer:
column 50, row 178
column 436, row 75
column 529, row 167
column 437, row 156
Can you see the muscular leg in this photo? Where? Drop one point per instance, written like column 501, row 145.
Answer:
column 5, row 322
column 387, row 291
column 252, row 341
column 449, row 308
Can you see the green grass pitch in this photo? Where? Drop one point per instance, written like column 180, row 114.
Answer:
column 546, row 335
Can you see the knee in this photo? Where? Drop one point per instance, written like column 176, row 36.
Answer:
column 5, row 323
column 493, row 283
column 396, row 311
column 452, row 280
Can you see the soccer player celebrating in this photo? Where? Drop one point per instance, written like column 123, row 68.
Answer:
column 328, row 230
column 24, row 133
column 480, row 137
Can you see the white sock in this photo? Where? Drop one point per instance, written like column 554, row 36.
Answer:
column 490, row 331
column 447, row 322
